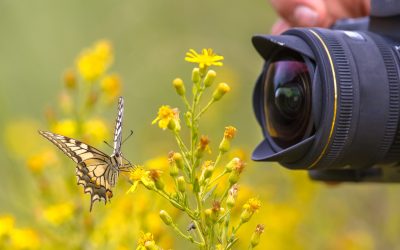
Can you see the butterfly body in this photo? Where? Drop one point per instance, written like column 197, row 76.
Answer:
column 96, row 171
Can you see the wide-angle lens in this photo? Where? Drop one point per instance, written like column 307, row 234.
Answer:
column 287, row 103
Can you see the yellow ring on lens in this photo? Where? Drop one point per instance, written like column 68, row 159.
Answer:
column 335, row 99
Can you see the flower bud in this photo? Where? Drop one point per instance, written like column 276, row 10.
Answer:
column 255, row 238
column 246, row 214
column 202, row 147
column 225, row 145
column 237, row 169
column 173, row 170
column 209, row 79
column 155, row 176
column 181, row 184
column 232, row 195
column 233, row 164
column 233, row 178
column 178, row 160
column 221, row 90
column 196, row 75
column 70, row 79
column 165, row 217
column 208, row 169
column 207, row 214
column 179, row 86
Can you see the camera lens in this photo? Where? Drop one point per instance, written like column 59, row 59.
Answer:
column 287, row 103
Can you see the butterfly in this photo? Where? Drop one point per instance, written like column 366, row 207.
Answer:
column 95, row 170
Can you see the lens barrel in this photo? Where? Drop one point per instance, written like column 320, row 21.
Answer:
column 328, row 99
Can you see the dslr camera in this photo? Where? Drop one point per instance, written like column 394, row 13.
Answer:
column 328, row 100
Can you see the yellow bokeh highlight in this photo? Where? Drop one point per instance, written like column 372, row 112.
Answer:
column 94, row 61
column 95, row 131
column 7, row 223
column 66, row 127
column 58, row 213
column 111, row 86
column 24, row 239
column 36, row 163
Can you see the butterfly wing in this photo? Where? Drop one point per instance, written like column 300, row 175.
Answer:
column 94, row 168
column 118, row 127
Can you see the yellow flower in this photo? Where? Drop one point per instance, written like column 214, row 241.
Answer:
column 146, row 241
column 230, row 132
column 67, row 127
column 6, row 224
column 111, row 86
column 140, row 175
column 205, row 59
column 93, row 62
column 253, row 204
column 95, row 131
column 24, row 239
column 59, row 213
column 167, row 118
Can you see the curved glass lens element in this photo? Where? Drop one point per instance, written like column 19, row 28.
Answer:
column 287, row 101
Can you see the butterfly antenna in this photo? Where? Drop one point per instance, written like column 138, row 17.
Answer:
column 127, row 137
column 108, row 144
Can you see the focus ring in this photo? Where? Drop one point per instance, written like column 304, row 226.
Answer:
column 392, row 130
column 345, row 100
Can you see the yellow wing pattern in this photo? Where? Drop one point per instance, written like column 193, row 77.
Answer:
column 94, row 171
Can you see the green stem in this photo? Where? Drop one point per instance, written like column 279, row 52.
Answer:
column 205, row 109
column 218, row 177
column 186, row 102
column 188, row 237
column 176, row 204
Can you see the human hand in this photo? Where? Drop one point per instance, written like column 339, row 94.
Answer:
column 311, row 13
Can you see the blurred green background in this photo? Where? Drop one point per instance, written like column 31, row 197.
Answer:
column 40, row 39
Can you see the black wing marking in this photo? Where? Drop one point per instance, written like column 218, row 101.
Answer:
column 94, row 168
column 118, row 127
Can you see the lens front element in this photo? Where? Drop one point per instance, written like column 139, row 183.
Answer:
column 287, row 101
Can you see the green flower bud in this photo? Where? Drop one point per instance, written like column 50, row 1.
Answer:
column 221, row 90
column 229, row 167
column 165, row 217
column 178, row 160
column 155, row 176
column 225, row 145
column 233, row 177
column 179, row 86
column 196, row 75
column 255, row 238
column 181, row 184
column 207, row 214
column 209, row 79
column 245, row 215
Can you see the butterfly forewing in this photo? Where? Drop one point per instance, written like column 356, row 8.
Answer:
column 95, row 170
column 118, row 127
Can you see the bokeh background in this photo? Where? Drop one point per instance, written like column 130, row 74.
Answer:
column 41, row 39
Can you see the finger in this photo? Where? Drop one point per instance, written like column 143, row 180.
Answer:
column 301, row 12
column 279, row 27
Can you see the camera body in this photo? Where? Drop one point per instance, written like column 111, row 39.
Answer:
column 328, row 100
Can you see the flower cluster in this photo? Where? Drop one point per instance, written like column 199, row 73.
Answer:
column 205, row 190
column 12, row 237
column 60, row 209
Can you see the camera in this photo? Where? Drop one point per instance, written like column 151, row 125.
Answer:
column 328, row 100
